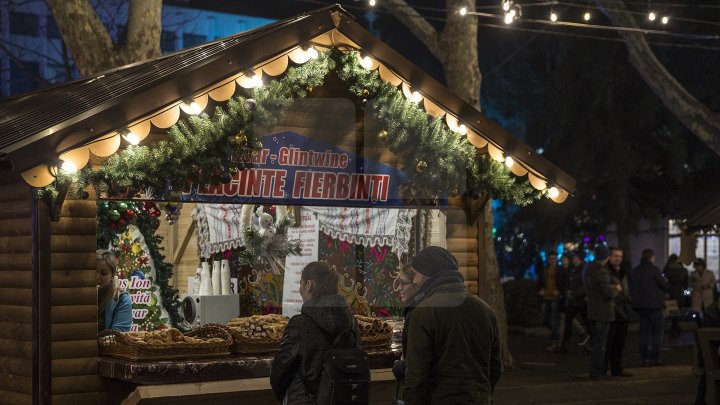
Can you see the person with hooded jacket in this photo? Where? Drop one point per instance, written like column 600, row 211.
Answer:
column 298, row 364
column 453, row 349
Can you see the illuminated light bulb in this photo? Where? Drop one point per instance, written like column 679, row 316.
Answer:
column 509, row 161
column 553, row 192
column 372, row 3
column 506, row 5
column 132, row 137
column 553, row 17
column 366, row 62
column 586, row 17
column 194, row 109
column 311, row 52
column 257, row 81
column 463, row 11
column 462, row 129
column 512, row 13
column 69, row 167
column 416, row 97
column 651, row 16
column 665, row 20
column 508, row 18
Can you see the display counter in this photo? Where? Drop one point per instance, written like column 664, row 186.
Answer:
column 225, row 379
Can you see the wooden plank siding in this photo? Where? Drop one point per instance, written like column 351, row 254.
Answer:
column 74, row 305
column 16, row 294
column 462, row 243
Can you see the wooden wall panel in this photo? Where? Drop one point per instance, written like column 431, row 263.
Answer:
column 16, row 297
column 462, row 243
column 74, row 305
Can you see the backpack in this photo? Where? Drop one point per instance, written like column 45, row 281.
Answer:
column 346, row 374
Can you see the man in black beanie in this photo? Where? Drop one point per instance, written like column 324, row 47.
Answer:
column 453, row 351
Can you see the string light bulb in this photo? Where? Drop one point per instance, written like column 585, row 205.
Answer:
column 68, row 166
column 553, row 192
column 257, row 81
column 586, row 16
column 366, row 62
column 509, row 162
column 311, row 52
column 462, row 129
column 195, row 109
column 416, row 97
column 553, row 17
column 506, row 5
column 652, row 16
column 665, row 20
column 372, row 3
column 463, row 11
column 131, row 137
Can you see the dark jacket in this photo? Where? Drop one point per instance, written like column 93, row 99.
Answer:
column 678, row 281
column 623, row 306
column 600, row 294
column 297, row 366
column 575, row 286
column 647, row 286
column 453, row 354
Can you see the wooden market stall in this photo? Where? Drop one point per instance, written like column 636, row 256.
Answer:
column 48, row 226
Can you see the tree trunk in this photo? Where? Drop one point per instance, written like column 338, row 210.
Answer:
column 699, row 119
column 90, row 43
column 456, row 49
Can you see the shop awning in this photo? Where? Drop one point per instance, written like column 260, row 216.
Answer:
column 72, row 120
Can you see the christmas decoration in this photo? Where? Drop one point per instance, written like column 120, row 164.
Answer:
column 383, row 135
column 421, row 166
column 250, row 104
column 109, row 234
column 266, row 239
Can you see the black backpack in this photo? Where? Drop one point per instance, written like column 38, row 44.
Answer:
column 346, row 374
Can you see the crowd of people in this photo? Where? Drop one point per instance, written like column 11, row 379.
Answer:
column 601, row 296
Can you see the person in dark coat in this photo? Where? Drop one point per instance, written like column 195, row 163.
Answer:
column 600, row 293
column 648, row 287
column 297, row 367
column 678, row 282
column 453, row 354
column 574, row 296
column 407, row 290
column 619, row 327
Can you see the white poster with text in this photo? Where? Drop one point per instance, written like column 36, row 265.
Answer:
column 308, row 232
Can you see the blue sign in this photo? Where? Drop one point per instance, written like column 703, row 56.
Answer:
column 292, row 169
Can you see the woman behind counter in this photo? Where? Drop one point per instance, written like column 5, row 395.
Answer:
column 297, row 366
column 114, row 305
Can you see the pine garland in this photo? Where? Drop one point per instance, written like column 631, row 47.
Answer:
column 450, row 162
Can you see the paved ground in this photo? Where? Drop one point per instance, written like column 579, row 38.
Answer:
column 560, row 378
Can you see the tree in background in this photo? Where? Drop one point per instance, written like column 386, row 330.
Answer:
column 455, row 47
column 90, row 44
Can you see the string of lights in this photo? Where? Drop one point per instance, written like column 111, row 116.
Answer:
column 518, row 28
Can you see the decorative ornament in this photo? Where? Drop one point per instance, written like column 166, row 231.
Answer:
column 122, row 223
column 250, row 104
column 123, row 206
column 421, row 166
column 105, row 206
column 383, row 135
column 139, row 274
column 309, row 88
column 114, row 215
column 365, row 92
column 225, row 177
column 257, row 145
column 239, row 139
column 172, row 212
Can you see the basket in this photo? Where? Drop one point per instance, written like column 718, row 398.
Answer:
column 376, row 341
column 118, row 345
column 245, row 346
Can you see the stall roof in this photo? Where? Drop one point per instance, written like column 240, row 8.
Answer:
column 708, row 217
column 37, row 127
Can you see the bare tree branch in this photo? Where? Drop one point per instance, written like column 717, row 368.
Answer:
column 418, row 25
column 699, row 119
column 21, row 64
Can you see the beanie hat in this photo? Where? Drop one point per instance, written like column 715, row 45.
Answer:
column 434, row 260
column 601, row 252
